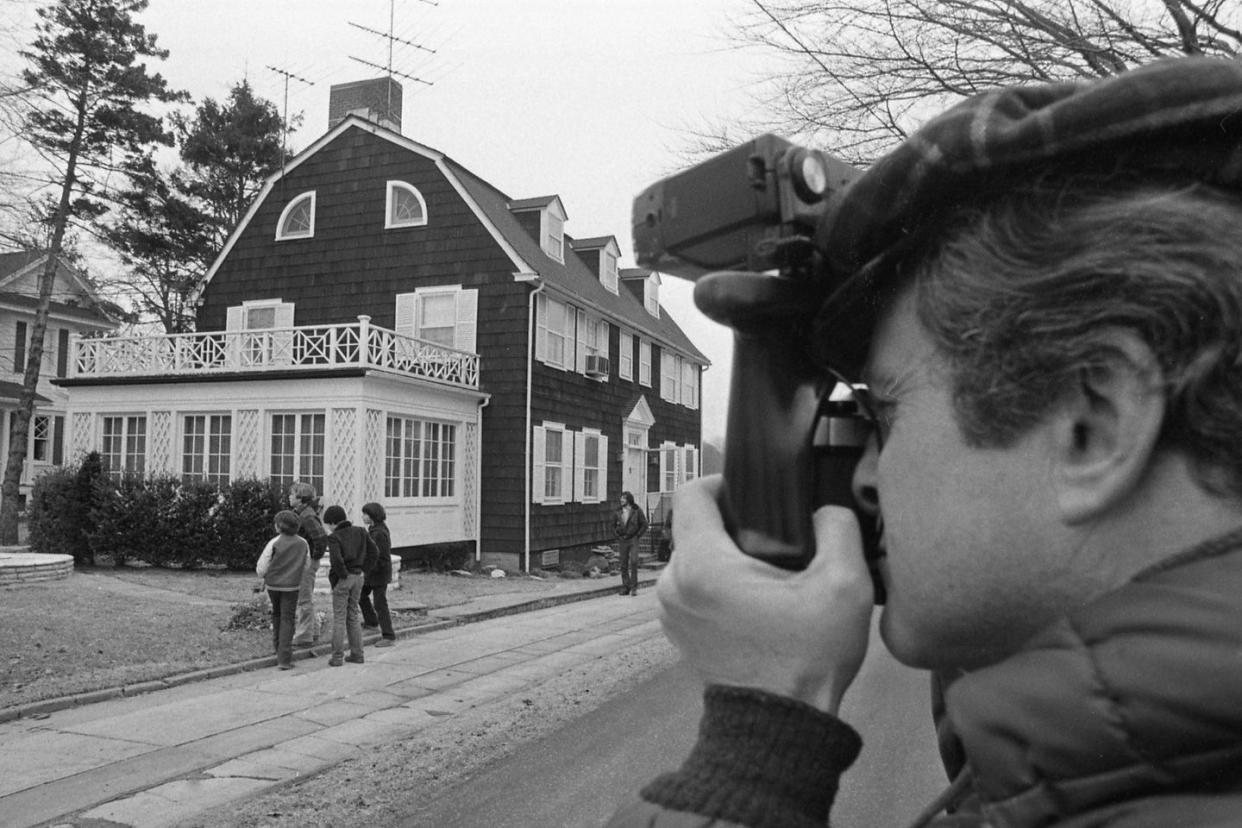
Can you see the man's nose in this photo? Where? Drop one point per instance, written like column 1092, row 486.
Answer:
column 866, row 492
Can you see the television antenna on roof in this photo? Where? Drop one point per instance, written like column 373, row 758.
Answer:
column 284, row 115
column 392, row 38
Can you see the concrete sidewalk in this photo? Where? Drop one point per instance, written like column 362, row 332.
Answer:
column 159, row 758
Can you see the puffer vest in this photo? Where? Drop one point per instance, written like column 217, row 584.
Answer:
column 1127, row 712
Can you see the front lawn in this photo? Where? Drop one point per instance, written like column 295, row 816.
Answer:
column 104, row 627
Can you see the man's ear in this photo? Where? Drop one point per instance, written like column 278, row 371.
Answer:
column 1106, row 428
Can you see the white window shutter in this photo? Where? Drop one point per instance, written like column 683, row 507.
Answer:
column 583, row 340
column 467, row 322
column 603, row 469
column 541, row 328
column 579, row 465
column 405, row 314
column 234, row 319
column 284, row 315
column 538, row 454
column 663, row 467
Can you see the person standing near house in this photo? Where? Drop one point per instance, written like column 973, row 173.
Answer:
column 376, row 580
column 305, row 504
column 281, row 566
column 350, row 551
column 629, row 526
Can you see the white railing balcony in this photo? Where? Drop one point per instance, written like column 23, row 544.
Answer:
column 309, row 348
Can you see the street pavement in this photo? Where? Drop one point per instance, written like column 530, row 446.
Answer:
column 160, row 757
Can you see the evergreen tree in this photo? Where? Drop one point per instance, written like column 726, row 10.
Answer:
column 173, row 224
column 85, row 121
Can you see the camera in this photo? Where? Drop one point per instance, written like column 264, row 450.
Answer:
column 737, row 210
column 741, row 226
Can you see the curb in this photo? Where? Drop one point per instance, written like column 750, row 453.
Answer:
column 42, row 709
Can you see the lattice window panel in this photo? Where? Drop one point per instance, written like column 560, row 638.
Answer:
column 83, row 434
column 373, row 449
column 342, row 471
column 470, row 479
column 248, row 442
column 160, row 448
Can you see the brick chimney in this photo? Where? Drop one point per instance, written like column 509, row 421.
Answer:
column 378, row 100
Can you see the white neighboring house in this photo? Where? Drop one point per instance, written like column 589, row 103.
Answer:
column 76, row 310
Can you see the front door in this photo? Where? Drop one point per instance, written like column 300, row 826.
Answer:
column 634, row 475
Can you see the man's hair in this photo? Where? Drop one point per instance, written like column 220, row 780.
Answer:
column 288, row 522
column 1019, row 297
column 304, row 492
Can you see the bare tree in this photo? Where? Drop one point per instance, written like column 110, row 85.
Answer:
column 859, row 75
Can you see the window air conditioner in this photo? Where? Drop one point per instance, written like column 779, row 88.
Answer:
column 596, row 366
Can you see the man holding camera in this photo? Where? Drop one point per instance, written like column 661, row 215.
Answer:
column 1042, row 290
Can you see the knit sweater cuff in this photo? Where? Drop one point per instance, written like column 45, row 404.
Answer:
column 761, row 760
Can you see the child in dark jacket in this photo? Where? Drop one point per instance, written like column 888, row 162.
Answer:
column 351, row 552
column 375, row 582
column 281, row 565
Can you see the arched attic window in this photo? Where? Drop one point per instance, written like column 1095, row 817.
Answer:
column 297, row 220
column 405, row 206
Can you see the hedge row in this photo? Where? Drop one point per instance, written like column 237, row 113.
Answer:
column 160, row 520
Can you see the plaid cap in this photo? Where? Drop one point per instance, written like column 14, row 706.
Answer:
column 1180, row 116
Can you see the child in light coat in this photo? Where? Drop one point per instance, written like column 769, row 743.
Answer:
column 281, row 565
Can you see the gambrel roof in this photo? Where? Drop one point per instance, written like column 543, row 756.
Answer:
column 571, row 280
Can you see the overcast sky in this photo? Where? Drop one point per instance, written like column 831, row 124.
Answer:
column 591, row 100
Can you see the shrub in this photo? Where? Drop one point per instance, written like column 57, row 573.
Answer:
column 244, row 521
column 59, row 510
column 166, row 522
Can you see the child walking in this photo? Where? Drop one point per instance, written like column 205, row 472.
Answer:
column 281, row 565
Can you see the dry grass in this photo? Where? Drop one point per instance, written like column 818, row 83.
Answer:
column 105, row 627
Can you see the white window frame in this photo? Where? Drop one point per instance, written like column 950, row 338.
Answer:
column 690, row 467
column 625, row 359
column 608, row 270
column 308, row 466
column 644, row 362
column 552, row 232
column 545, row 334
column 131, row 446
column 215, row 466
column 390, row 201
column 465, row 321
column 590, row 473
column 432, row 475
column 670, row 467
column 544, row 473
column 41, row 431
column 689, row 383
column 282, row 234
column 670, row 376
column 651, row 295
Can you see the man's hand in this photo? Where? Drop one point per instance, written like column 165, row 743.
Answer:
column 745, row 623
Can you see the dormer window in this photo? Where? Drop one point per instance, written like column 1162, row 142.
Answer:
column 405, row 206
column 553, row 232
column 651, row 295
column 608, row 266
column 297, row 220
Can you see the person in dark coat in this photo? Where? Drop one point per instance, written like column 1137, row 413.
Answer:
column 629, row 524
column 376, row 581
column 1041, row 293
column 351, row 552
